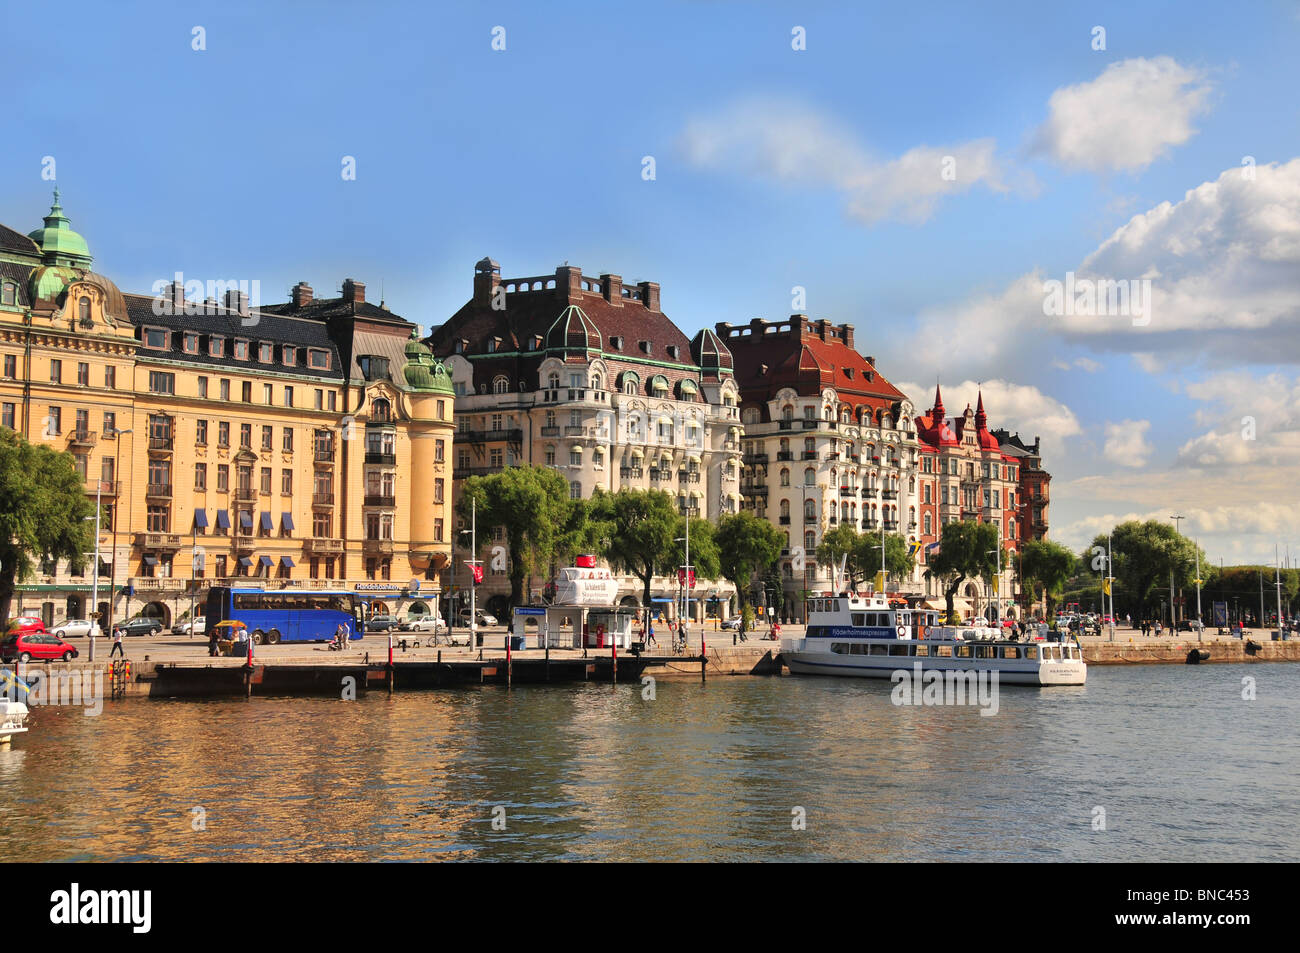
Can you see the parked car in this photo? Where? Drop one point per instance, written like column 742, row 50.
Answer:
column 26, row 646
column 1190, row 625
column 382, row 623
column 141, row 625
column 25, row 623
column 76, row 628
column 732, row 623
column 484, row 618
column 425, row 623
column 193, row 627
column 977, row 620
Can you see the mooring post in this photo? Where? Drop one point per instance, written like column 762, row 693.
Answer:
column 704, row 667
column 509, row 664
column 437, row 677
column 390, row 664
column 548, row 661
column 613, row 654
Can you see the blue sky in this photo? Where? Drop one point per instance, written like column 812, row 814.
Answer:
column 775, row 168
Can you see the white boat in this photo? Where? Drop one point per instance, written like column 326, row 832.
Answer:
column 865, row 637
column 13, row 720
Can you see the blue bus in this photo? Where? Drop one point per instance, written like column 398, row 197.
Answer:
column 287, row 615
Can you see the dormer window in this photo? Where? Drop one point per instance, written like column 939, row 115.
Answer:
column 9, row 293
column 646, row 347
column 672, row 351
column 318, row 359
column 616, row 343
column 216, row 347
column 191, row 342
column 83, row 310
column 493, row 345
column 265, row 352
column 288, row 355
column 155, row 338
column 241, row 349
column 461, row 345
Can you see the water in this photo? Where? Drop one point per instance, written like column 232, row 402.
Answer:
column 1183, row 767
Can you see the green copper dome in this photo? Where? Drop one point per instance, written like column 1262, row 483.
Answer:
column 423, row 371
column 49, row 282
column 59, row 244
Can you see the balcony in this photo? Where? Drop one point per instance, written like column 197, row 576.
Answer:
column 379, row 499
column 381, row 457
column 809, row 455
column 785, row 424
column 325, row 547
column 751, row 459
column 871, row 524
column 657, row 475
column 462, row 472
column 246, row 494
column 784, row 455
column 158, row 541
column 382, row 546
column 577, row 431
column 323, row 499
column 162, row 444
column 158, row 491
column 688, row 476
column 784, row 520
column 550, row 431
column 103, row 487
column 631, row 473
column 691, row 511
column 324, row 455
column 243, row 544
column 82, row 438
column 753, row 489
column 889, row 494
column 487, row 436
column 891, row 526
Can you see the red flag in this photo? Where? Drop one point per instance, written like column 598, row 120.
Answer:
column 476, row 570
column 681, row 578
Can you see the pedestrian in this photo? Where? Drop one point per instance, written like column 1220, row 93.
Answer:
column 341, row 636
column 212, row 642
column 1159, row 628
column 117, row 643
column 650, row 635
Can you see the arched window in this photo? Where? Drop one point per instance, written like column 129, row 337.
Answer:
column 810, row 509
column 785, row 477
column 501, row 384
column 787, row 412
column 553, row 381
column 381, row 410
column 928, row 525
column 809, row 541
column 785, row 509
column 809, row 477
column 9, row 295
column 751, row 415
column 83, row 309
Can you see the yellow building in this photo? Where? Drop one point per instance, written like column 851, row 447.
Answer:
column 303, row 444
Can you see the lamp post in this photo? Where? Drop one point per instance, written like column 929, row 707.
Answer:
column 94, row 582
column 473, row 582
column 1110, row 580
column 117, row 518
column 1177, row 526
column 997, row 583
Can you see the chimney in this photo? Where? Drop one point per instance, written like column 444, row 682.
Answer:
column 846, row 332
column 799, row 324
column 301, row 294
column 487, row 278
column 871, row 358
column 176, row 292
column 649, row 294
column 611, row 286
column 823, row 329
column 354, row 292
column 568, row 283
column 237, row 302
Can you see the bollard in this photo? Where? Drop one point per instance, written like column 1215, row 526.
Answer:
column 613, row 654
column 390, row 664
column 509, row 664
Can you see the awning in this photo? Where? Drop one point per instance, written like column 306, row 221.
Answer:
column 286, row 520
column 286, row 561
column 266, row 522
column 637, row 454
column 267, row 561
column 201, row 519
column 245, row 519
column 151, row 560
column 223, row 519
column 245, row 561
column 666, row 420
column 689, row 386
column 576, row 448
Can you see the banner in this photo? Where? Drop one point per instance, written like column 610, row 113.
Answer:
column 476, row 570
column 1105, row 586
column 681, row 578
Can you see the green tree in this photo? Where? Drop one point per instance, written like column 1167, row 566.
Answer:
column 704, row 549
column 966, row 551
column 747, row 545
column 1144, row 555
column 532, row 506
column 1047, row 564
column 638, row 528
column 43, row 510
column 863, row 552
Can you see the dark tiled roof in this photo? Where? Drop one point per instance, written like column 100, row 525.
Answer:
column 20, row 274
column 322, row 309
column 17, row 243
column 270, row 327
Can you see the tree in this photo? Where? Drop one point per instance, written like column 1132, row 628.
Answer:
column 532, row 506
column 967, row 550
column 1048, row 564
column 747, row 545
column 43, row 510
column 1144, row 555
column 638, row 528
column 863, row 552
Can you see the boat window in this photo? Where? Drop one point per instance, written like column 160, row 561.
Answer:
column 898, row 649
column 984, row 651
column 837, row 605
column 943, row 651
column 859, row 648
column 840, row 648
column 1049, row 653
column 1072, row 651
column 963, row 651
column 879, row 650
column 1010, row 651
column 858, row 617
column 922, row 650
column 1031, row 651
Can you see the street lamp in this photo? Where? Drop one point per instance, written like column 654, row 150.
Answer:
column 112, row 566
column 997, row 584
column 1177, row 526
column 94, row 582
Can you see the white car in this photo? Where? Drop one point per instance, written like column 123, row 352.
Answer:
column 75, row 628
column 978, row 621
column 427, row 623
column 195, row 627
column 732, row 623
column 483, row 618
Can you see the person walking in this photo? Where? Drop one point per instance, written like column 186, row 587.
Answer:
column 650, row 634
column 1159, row 628
column 117, row 643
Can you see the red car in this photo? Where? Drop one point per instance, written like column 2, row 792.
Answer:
column 25, row 623
column 25, row 646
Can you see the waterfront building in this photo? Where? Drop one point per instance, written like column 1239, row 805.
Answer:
column 965, row 475
column 588, row 377
column 1033, row 494
column 302, row 444
column 828, row 441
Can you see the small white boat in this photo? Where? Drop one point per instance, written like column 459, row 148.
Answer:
column 865, row 637
column 13, row 720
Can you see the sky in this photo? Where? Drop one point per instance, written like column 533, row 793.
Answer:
column 924, row 172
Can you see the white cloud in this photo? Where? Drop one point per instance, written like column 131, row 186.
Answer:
column 1126, row 118
column 793, row 143
column 1126, row 443
column 1015, row 407
column 1255, row 421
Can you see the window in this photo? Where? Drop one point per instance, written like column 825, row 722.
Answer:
column 809, row 477
column 224, row 390
column 55, row 421
column 438, row 490
column 320, row 525
column 83, row 374
column 190, row 343
column 7, row 415
column 155, row 338
column 158, row 519
column 318, row 360
column 288, row 397
column 287, row 442
column 223, row 478
column 161, row 382
column 11, row 366
column 265, row 352
column 203, row 387
column 223, row 433
column 575, row 490
column 110, row 377
column 320, row 399
column 110, row 424
column 437, row 530
column 575, row 457
column 241, row 350
column 268, row 393
column 438, row 451
column 56, row 371
column 496, row 457
column 288, row 355
column 286, row 483
column 268, row 437
column 9, row 295
column 200, row 476
column 216, row 347
column 246, row 435
column 246, row 392
column 333, row 400
column 201, row 433
column 266, row 481
column 550, row 452
column 501, row 385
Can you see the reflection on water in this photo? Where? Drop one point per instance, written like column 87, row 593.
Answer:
column 1183, row 767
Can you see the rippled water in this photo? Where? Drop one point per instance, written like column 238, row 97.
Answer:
column 1184, row 768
